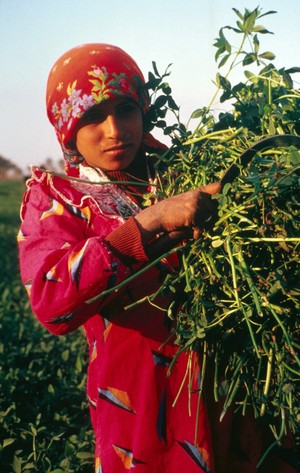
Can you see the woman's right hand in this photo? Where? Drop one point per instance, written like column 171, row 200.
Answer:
column 182, row 216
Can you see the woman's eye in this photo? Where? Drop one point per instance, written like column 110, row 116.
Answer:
column 93, row 116
column 127, row 109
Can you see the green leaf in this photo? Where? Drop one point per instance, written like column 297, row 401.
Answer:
column 293, row 70
column 17, row 465
column 287, row 80
column 155, row 69
column 85, row 455
column 224, row 60
column 249, row 59
column 222, row 45
column 250, row 76
column 217, row 243
column 161, row 124
column 238, row 13
column 33, row 430
column 161, row 101
column 7, row 442
column 240, row 25
column 151, row 77
column 218, row 76
column 65, row 355
column 270, row 12
column 250, row 21
column 153, row 82
column 28, row 467
column 288, row 387
column 166, row 88
column 226, row 188
column 294, row 157
column 225, row 96
column 256, row 43
column 267, row 55
column 78, row 363
column 197, row 113
column 261, row 29
column 172, row 104
column 224, row 82
column 236, row 30
column 69, row 449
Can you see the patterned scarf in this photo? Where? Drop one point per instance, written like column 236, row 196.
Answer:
column 83, row 77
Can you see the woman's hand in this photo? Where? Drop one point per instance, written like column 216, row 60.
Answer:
column 182, row 216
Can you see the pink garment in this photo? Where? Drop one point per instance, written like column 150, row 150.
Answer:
column 138, row 419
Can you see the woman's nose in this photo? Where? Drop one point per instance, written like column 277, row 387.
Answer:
column 112, row 126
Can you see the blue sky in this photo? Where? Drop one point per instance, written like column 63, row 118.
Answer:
column 34, row 33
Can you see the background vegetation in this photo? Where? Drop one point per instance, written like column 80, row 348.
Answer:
column 44, row 419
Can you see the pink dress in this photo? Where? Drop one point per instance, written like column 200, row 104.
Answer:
column 143, row 416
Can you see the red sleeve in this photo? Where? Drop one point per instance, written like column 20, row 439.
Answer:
column 126, row 243
column 63, row 261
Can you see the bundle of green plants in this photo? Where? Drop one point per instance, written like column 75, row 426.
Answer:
column 239, row 283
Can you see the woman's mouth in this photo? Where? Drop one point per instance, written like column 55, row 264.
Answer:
column 118, row 149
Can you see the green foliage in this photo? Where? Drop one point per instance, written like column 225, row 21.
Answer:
column 246, row 25
column 162, row 102
column 44, row 416
column 239, row 282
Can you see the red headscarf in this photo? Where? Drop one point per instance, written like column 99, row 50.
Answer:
column 85, row 76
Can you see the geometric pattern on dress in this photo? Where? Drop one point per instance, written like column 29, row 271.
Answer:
column 20, row 236
column 160, row 359
column 62, row 318
column 56, row 209
column 198, row 454
column 94, row 351
column 75, row 261
column 98, row 468
column 126, row 457
column 107, row 330
column 161, row 423
column 84, row 213
column 51, row 276
column 117, row 398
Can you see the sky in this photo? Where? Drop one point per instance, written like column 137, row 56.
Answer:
column 35, row 33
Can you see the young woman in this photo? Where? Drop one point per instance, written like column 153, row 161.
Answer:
column 86, row 233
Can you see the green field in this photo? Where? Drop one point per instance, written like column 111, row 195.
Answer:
column 44, row 419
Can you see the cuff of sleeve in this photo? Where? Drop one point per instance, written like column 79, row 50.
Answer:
column 126, row 243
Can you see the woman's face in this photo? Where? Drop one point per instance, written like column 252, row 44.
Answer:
column 109, row 134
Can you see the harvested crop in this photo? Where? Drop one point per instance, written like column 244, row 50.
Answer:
column 239, row 283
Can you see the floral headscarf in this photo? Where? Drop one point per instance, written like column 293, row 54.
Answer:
column 85, row 76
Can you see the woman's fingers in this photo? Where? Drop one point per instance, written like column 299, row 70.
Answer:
column 213, row 188
column 197, row 232
column 183, row 212
column 207, row 209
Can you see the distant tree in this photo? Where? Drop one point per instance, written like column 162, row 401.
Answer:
column 53, row 165
column 9, row 170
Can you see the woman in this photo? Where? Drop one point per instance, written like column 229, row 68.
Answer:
column 81, row 237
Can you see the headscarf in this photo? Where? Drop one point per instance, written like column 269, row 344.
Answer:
column 85, row 76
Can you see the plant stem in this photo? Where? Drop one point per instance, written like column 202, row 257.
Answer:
column 135, row 275
column 268, row 380
column 203, row 370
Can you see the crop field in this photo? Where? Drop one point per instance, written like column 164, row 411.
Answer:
column 44, row 418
